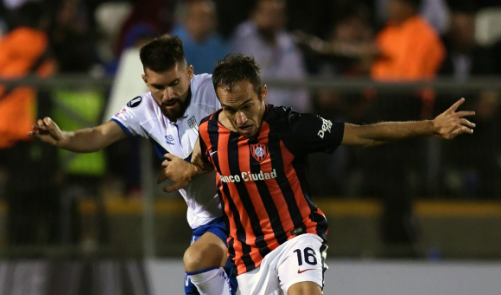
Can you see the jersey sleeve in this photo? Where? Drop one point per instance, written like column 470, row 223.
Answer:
column 306, row 133
column 128, row 118
column 206, row 94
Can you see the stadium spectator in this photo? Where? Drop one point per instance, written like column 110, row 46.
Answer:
column 74, row 51
column 434, row 11
column 157, row 13
column 264, row 37
column 32, row 209
column 71, row 39
column 137, row 36
column 23, row 50
column 466, row 59
column 196, row 26
column 408, row 47
column 350, row 28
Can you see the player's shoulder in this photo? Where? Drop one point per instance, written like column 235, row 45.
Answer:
column 207, row 120
column 203, row 95
column 201, row 83
column 210, row 118
column 140, row 101
column 138, row 110
column 281, row 114
column 286, row 120
column 141, row 104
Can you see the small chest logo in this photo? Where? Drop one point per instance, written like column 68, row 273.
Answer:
column 192, row 122
column 169, row 139
column 259, row 151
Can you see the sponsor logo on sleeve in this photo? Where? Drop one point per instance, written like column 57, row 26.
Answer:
column 134, row 102
column 326, row 127
column 122, row 111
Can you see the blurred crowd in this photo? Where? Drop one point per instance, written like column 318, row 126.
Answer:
column 386, row 40
column 289, row 38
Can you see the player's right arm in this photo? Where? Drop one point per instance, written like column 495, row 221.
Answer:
column 85, row 140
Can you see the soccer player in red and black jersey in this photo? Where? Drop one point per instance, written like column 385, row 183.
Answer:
column 277, row 236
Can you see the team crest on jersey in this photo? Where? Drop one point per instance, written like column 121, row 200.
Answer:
column 134, row 102
column 192, row 122
column 259, row 151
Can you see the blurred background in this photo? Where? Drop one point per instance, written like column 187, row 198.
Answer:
column 87, row 223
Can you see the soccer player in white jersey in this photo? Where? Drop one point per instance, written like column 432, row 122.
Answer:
column 168, row 115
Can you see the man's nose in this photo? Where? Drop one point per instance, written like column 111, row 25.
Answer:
column 241, row 118
column 168, row 93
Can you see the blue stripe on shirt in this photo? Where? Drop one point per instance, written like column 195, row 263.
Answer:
column 125, row 129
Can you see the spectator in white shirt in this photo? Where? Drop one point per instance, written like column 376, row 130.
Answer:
column 264, row 37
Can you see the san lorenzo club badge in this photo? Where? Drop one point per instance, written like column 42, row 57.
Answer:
column 259, row 151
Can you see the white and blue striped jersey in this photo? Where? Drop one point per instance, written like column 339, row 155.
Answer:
column 142, row 116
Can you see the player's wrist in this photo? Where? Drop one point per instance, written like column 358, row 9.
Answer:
column 432, row 127
column 63, row 139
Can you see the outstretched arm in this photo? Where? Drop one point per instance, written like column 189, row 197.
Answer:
column 180, row 172
column 447, row 125
column 81, row 141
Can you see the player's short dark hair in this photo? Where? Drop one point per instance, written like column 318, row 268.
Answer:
column 162, row 53
column 234, row 68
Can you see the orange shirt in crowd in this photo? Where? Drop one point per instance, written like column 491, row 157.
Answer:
column 19, row 51
column 410, row 51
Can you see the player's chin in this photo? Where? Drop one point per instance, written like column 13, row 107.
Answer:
column 171, row 113
column 249, row 132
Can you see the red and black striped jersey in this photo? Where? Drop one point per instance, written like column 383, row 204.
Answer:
column 262, row 181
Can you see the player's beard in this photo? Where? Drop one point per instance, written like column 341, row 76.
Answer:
column 176, row 113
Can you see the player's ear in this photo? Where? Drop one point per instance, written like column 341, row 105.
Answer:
column 190, row 71
column 144, row 79
column 264, row 92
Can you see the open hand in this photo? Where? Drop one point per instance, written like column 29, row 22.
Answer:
column 451, row 123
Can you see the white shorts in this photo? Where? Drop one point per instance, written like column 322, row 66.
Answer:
column 300, row 259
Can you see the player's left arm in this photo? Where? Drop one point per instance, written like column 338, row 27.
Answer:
column 447, row 125
column 181, row 172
